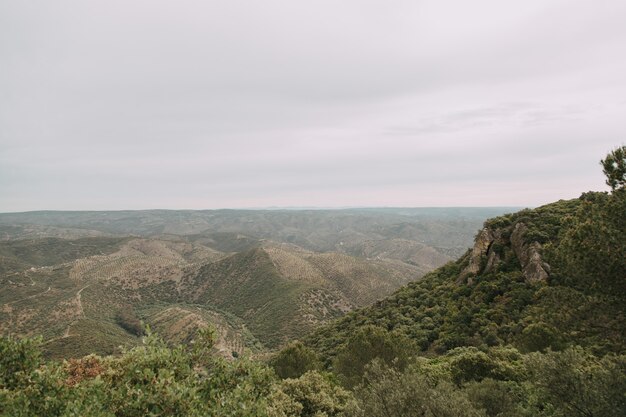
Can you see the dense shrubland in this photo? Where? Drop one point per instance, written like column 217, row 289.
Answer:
column 160, row 380
column 157, row 380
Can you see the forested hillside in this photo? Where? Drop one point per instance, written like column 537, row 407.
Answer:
column 543, row 278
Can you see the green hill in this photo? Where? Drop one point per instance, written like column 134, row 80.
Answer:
column 72, row 291
column 551, row 277
column 282, row 291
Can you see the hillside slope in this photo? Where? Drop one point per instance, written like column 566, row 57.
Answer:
column 545, row 278
column 90, row 294
column 283, row 291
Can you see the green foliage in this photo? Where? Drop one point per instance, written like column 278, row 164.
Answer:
column 312, row 395
column 151, row 380
column 388, row 392
column 128, row 320
column 367, row 344
column 241, row 388
column 467, row 364
column 42, row 392
column 19, row 358
column 497, row 398
column 470, row 364
column 157, row 380
column 575, row 383
column 295, row 360
column 540, row 337
column 591, row 254
column 614, row 167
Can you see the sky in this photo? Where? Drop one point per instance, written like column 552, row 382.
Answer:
column 122, row 104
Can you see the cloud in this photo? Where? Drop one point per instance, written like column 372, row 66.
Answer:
column 112, row 104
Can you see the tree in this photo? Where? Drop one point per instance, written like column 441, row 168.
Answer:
column 388, row 392
column 592, row 249
column 371, row 342
column 576, row 383
column 294, row 360
column 614, row 167
column 470, row 364
column 311, row 395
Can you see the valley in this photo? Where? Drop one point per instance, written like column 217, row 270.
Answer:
column 89, row 281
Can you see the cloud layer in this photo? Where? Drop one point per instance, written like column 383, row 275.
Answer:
column 195, row 104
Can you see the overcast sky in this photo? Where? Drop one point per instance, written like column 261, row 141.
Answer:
column 121, row 104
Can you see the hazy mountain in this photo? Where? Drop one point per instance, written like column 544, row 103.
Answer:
column 83, row 279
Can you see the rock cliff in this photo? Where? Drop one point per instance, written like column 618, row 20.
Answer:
column 493, row 244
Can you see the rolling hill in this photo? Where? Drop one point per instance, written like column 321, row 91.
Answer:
column 550, row 277
column 84, row 280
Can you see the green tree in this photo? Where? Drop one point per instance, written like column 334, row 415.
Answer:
column 388, row 392
column 18, row 359
column 576, row 383
column 295, row 360
column 470, row 364
column 592, row 252
column 539, row 337
column 368, row 343
column 497, row 398
column 614, row 167
column 311, row 395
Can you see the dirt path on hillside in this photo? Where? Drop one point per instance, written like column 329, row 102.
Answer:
column 80, row 312
column 29, row 297
column 80, row 309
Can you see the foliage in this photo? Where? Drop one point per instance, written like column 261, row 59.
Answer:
column 470, row 364
column 128, row 320
column 367, row 344
column 388, row 392
column 157, row 380
column 498, row 398
column 539, row 337
column 18, row 359
column 295, row 360
column 312, row 395
column 576, row 383
column 614, row 167
column 591, row 254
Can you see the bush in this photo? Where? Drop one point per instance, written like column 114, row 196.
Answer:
column 369, row 343
column 312, row 395
column 128, row 320
column 576, row 383
column 539, row 337
column 388, row 392
column 295, row 360
column 470, row 364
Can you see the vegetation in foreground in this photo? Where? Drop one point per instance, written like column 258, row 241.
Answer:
column 529, row 323
column 157, row 380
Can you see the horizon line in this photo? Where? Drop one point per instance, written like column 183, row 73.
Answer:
column 269, row 208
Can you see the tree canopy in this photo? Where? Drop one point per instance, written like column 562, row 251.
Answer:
column 614, row 167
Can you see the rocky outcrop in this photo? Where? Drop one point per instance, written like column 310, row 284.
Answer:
column 533, row 267
column 481, row 245
column 484, row 258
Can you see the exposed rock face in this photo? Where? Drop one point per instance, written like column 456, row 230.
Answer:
column 533, row 267
column 481, row 246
